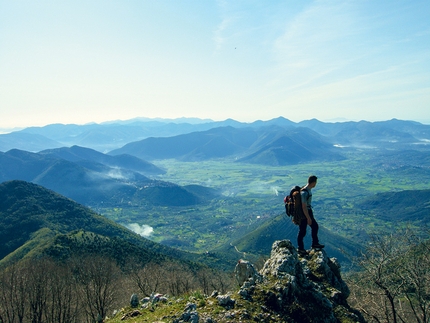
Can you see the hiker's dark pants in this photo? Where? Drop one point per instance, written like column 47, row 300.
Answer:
column 302, row 231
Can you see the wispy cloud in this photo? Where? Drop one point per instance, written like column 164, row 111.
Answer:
column 318, row 41
column 219, row 33
column 116, row 173
column 244, row 59
column 239, row 23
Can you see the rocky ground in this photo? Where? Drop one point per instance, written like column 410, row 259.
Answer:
column 289, row 288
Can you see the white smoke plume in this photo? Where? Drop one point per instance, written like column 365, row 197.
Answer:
column 275, row 190
column 143, row 230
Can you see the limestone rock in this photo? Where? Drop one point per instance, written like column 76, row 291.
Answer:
column 134, row 300
column 244, row 270
column 308, row 289
column 283, row 260
column 226, row 301
column 288, row 288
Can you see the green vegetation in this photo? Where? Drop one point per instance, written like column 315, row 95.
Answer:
column 35, row 221
column 240, row 210
column 239, row 214
column 252, row 194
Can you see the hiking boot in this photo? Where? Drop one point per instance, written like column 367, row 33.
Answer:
column 317, row 246
column 302, row 252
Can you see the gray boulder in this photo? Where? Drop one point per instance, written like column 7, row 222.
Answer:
column 244, row 270
column 305, row 289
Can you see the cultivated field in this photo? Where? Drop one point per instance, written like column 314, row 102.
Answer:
column 251, row 194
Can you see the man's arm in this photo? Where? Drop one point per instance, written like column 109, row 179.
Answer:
column 306, row 213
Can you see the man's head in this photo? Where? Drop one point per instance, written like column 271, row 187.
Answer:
column 312, row 181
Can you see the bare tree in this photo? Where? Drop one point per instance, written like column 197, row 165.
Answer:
column 416, row 278
column 212, row 279
column 222, row 281
column 179, row 278
column 204, row 277
column 13, row 296
column 39, row 274
column 394, row 283
column 176, row 278
column 63, row 302
column 148, row 279
column 97, row 279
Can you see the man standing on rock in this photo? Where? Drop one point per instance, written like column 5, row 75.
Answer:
column 306, row 197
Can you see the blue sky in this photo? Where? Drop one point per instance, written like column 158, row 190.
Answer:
column 94, row 61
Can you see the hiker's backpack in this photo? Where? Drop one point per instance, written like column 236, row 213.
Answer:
column 293, row 205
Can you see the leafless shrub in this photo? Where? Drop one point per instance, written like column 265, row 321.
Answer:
column 97, row 283
column 394, row 284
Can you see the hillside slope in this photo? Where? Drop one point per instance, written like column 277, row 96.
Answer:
column 35, row 220
column 263, row 145
column 292, row 147
column 90, row 182
column 80, row 154
column 213, row 143
column 26, row 141
column 259, row 241
column 405, row 206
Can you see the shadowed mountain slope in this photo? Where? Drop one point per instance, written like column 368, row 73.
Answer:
column 267, row 146
column 27, row 208
column 26, row 141
column 91, row 183
column 78, row 154
column 405, row 206
column 214, row 143
column 292, row 147
column 36, row 221
column 259, row 241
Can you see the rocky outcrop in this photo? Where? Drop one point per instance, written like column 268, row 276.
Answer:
column 308, row 289
column 289, row 288
column 244, row 271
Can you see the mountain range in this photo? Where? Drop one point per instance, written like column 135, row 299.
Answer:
column 113, row 135
column 93, row 178
column 123, row 175
column 268, row 146
column 90, row 177
column 84, row 155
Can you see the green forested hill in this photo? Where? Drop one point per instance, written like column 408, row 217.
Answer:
column 35, row 220
column 408, row 206
column 259, row 241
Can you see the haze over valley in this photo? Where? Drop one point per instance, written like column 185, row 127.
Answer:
column 146, row 148
column 174, row 208
column 208, row 186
